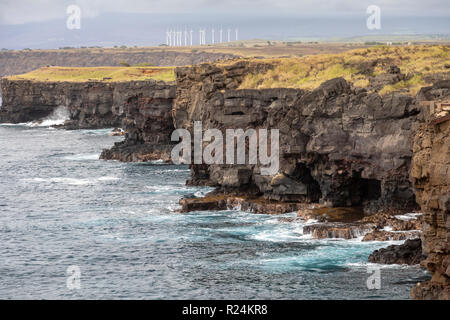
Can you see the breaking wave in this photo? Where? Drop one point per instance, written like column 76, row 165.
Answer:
column 58, row 117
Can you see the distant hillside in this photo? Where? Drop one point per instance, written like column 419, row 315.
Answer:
column 18, row 62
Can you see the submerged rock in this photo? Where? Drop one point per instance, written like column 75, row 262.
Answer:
column 381, row 235
column 383, row 219
column 244, row 203
column 337, row 230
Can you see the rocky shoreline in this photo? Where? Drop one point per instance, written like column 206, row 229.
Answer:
column 325, row 222
column 340, row 146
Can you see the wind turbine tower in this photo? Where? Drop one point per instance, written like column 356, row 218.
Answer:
column 237, row 32
column 212, row 35
column 220, row 35
column 202, row 36
column 192, row 31
column 229, row 35
column 168, row 38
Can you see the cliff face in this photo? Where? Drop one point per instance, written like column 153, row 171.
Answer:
column 147, row 122
column 90, row 104
column 430, row 175
column 25, row 101
column 338, row 145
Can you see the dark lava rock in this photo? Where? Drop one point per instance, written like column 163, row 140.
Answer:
column 409, row 253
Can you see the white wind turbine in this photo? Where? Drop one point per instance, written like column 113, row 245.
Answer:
column 229, row 35
column 202, row 36
column 212, row 35
column 168, row 42
column 237, row 32
column 192, row 31
column 220, row 35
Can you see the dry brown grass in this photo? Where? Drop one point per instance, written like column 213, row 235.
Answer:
column 356, row 66
column 108, row 74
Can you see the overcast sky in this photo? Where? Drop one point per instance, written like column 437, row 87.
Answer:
column 26, row 11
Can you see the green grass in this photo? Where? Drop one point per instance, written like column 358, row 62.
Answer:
column 107, row 74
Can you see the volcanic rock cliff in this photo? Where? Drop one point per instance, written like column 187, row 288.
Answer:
column 148, row 125
column 430, row 175
column 339, row 145
column 92, row 104
column 25, row 101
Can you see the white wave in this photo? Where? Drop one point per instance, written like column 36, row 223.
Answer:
column 203, row 191
column 181, row 187
column 108, row 179
column 58, row 117
column 157, row 161
column 71, row 181
column 84, row 156
column 13, row 124
column 281, row 234
column 408, row 216
column 311, row 221
column 171, row 170
column 378, row 265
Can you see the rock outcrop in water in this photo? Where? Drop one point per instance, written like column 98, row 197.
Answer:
column 430, row 175
column 339, row 145
column 409, row 252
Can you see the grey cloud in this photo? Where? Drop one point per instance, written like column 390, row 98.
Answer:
column 24, row 11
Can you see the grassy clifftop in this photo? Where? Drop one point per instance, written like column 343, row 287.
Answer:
column 109, row 74
column 359, row 66
column 382, row 68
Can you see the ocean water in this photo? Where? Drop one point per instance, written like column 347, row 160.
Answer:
column 117, row 222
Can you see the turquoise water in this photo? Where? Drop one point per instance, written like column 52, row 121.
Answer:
column 60, row 206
